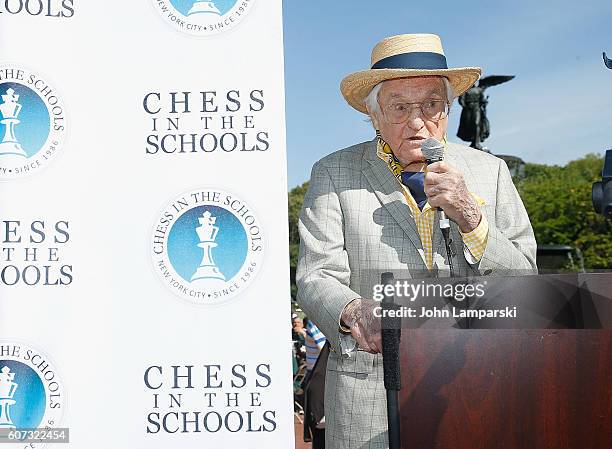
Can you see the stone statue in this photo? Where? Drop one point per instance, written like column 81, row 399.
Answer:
column 474, row 125
column 607, row 61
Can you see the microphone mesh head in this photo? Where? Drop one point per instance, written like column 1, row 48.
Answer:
column 433, row 150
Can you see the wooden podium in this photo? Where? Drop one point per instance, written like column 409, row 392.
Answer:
column 519, row 388
column 506, row 389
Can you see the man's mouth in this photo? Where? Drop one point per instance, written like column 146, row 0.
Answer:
column 416, row 138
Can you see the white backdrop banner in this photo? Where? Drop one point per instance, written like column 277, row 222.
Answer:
column 144, row 271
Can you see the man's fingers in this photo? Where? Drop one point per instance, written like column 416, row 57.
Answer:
column 371, row 339
column 376, row 342
column 365, row 328
column 436, row 201
column 431, row 191
column 360, row 339
column 432, row 178
column 439, row 167
column 435, row 196
column 448, row 178
column 369, row 342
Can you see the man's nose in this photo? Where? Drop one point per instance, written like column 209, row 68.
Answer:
column 415, row 120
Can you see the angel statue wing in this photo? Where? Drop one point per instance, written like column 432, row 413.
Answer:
column 607, row 61
column 493, row 80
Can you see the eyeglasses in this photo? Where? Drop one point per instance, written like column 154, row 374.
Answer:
column 434, row 110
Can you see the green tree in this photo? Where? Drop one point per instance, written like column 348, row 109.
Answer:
column 296, row 199
column 558, row 201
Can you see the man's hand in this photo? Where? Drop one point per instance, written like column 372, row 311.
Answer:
column 358, row 315
column 446, row 189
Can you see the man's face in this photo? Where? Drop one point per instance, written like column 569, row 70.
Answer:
column 405, row 139
column 298, row 324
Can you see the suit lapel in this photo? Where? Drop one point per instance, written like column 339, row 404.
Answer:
column 390, row 195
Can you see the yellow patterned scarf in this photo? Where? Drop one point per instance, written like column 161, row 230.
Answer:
column 384, row 151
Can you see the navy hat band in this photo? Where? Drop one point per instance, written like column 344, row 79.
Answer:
column 422, row 60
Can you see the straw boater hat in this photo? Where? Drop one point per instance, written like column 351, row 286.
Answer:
column 401, row 57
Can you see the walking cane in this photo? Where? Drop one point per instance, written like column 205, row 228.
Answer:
column 391, row 332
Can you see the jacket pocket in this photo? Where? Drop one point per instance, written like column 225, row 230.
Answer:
column 360, row 362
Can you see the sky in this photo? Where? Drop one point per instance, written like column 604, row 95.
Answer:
column 557, row 109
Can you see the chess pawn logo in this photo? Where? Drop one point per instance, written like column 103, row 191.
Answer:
column 7, row 391
column 201, row 7
column 207, row 232
column 10, row 109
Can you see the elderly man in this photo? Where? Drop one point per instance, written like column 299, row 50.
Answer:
column 372, row 207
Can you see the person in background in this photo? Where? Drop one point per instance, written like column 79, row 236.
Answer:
column 298, row 335
column 314, row 385
column 314, row 341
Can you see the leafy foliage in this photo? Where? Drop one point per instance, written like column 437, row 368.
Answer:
column 296, row 199
column 558, row 201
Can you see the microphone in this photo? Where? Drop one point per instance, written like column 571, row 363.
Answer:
column 433, row 150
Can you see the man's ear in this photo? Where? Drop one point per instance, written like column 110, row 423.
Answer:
column 374, row 118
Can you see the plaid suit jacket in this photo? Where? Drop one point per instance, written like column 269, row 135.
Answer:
column 354, row 225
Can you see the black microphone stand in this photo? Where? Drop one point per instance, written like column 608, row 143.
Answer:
column 450, row 253
column 391, row 333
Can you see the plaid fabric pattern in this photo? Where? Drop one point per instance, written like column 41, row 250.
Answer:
column 476, row 240
column 355, row 225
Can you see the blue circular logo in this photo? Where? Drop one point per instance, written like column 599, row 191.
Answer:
column 23, row 401
column 202, row 17
column 207, row 246
column 187, row 7
column 31, row 392
column 185, row 249
column 33, row 113
column 32, row 122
